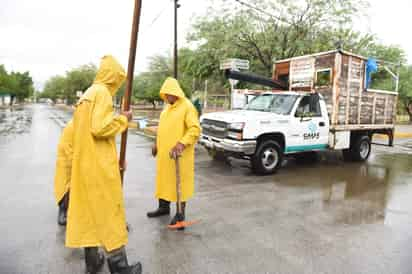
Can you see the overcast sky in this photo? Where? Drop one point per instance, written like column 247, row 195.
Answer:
column 49, row 37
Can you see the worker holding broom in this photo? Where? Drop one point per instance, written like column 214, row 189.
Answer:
column 177, row 134
column 96, row 215
column 63, row 172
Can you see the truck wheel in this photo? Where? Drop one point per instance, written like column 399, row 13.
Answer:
column 359, row 150
column 267, row 158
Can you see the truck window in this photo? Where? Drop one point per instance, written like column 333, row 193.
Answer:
column 276, row 103
column 307, row 110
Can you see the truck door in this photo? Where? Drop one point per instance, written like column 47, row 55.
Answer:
column 310, row 126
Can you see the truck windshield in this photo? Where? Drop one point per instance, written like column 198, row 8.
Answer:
column 276, row 103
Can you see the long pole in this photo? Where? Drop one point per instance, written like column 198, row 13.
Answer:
column 129, row 82
column 175, row 42
column 205, row 99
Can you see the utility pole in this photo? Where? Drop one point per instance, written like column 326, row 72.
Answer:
column 205, row 96
column 177, row 5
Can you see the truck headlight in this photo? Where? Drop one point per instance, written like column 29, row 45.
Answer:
column 235, row 135
column 236, row 126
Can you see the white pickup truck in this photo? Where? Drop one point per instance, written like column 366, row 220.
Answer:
column 275, row 124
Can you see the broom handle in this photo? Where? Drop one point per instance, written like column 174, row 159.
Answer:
column 129, row 82
column 178, row 193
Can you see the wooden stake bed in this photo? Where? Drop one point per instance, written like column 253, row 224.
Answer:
column 340, row 77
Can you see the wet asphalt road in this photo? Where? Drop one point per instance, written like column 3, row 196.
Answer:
column 323, row 217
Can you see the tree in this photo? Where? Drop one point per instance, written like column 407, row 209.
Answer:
column 262, row 31
column 147, row 84
column 24, row 87
column 265, row 31
column 144, row 88
column 55, row 88
column 17, row 85
column 78, row 79
column 405, row 89
column 65, row 87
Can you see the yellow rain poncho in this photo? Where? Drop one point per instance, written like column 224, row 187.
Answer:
column 96, row 215
column 178, row 123
column 63, row 163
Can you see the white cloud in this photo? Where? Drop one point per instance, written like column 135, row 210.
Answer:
column 48, row 37
column 391, row 21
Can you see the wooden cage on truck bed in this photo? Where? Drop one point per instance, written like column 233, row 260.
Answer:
column 340, row 77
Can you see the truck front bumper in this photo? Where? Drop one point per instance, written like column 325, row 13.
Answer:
column 228, row 145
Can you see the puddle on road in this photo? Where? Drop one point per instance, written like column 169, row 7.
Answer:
column 378, row 191
column 407, row 145
column 15, row 121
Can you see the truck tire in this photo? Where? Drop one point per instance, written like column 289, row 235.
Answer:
column 267, row 158
column 359, row 150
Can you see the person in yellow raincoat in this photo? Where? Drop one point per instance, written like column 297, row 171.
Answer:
column 178, row 132
column 96, row 215
column 63, row 171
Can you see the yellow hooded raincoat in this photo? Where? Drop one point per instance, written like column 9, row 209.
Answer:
column 64, row 163
column 178, row 123
column 96, row 215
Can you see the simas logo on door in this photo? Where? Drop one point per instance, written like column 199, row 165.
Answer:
column 312, row 133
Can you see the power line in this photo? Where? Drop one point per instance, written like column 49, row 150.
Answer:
column 157, row 17
column 243, row 3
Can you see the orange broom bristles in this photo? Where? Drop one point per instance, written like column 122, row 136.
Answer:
column 182, row 224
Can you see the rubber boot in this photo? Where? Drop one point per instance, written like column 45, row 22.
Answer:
column 164, row 209
column 63, row 206
column 94, row 260
column 118, row 264
column 179, row 217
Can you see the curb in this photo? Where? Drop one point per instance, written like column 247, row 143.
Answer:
column 399, row 135
column 145, row 135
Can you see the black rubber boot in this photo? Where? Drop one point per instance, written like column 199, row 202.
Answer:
column 63, row 206
column 118, row 265
column 164, row 209
column 179, row 217
column 94, row 260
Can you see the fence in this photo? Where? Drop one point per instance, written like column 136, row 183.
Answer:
column 217, row 102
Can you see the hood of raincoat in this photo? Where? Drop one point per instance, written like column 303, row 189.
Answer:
column 171, row 86
column 111, row 74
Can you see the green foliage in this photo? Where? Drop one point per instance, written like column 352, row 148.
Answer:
column 394, row 57
column 264, row 31
column 65, row 87
column 54, row 88
column 405, row 88
column 278, row 29
column 147, row 85
column 18, row 85
column 272, row 30
column 78, row 79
